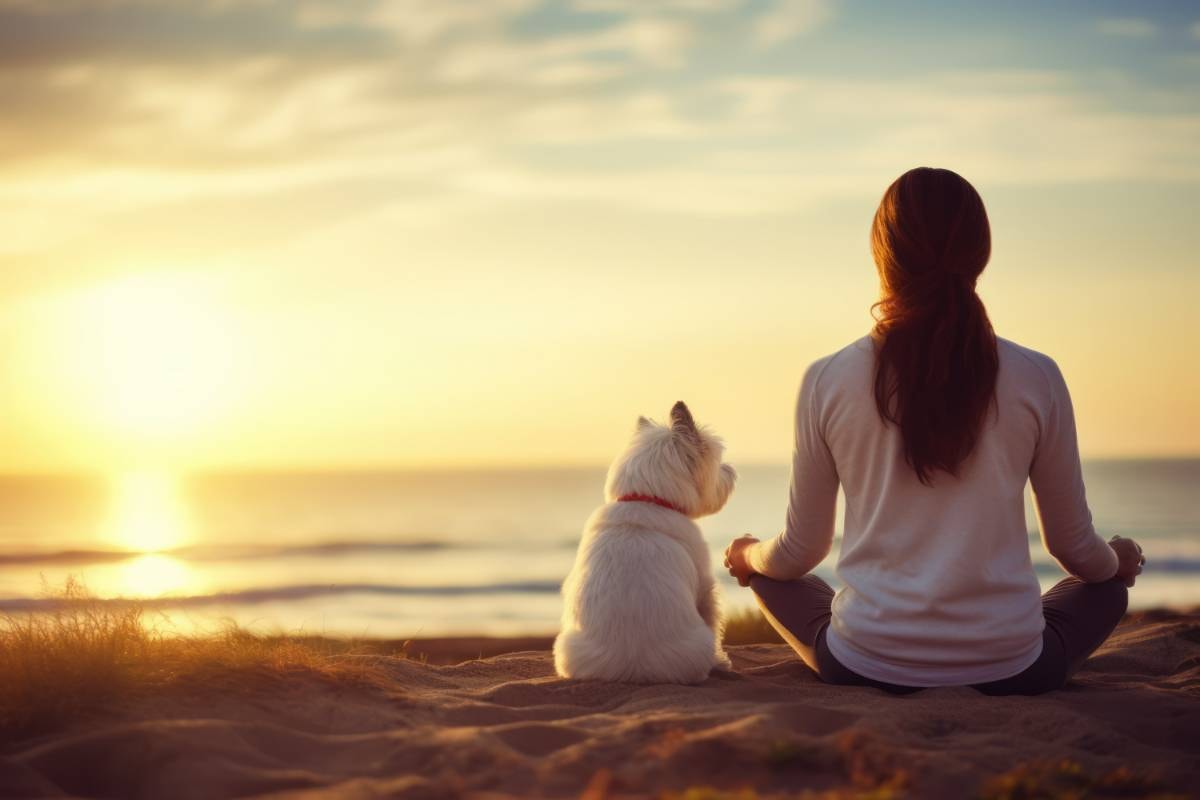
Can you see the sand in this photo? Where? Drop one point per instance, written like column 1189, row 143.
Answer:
column 507, row 726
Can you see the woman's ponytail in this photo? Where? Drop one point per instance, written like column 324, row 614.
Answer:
column 936, row 358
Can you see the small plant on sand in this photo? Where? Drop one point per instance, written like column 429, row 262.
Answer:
column 85, row 654
column 1068, row 780
column 784, row 754
column 708, row 793
column 843, row 793
column 871, row 769
column 876, row 769
column 749, row 626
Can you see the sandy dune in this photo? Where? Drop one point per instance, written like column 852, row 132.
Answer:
column 507, row 726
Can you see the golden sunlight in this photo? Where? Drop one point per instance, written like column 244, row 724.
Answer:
column 144, row 360
column 148, row 513
column 153, row 575
column 162, row 353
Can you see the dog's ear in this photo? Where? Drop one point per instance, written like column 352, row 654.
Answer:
column 683, row 425
column 644, row 423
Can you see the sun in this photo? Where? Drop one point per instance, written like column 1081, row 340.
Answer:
column 144, row 362
column 161, row 354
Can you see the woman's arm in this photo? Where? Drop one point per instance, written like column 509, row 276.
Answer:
column 808, row 536
column 1058, row 492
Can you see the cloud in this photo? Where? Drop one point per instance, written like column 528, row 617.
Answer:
column 1130, row 27
column 643, row 116
column 653, row 6
column 231, row 108
column 424, row 21
column 1024, row 128
column 1195, row 29
column 788, row 19
column 173, row 85
column 654, row 42
column 173, row 33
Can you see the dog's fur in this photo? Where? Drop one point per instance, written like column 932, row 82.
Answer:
column 640, row 604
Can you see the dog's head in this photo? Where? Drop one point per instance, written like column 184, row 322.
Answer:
column 680, row 463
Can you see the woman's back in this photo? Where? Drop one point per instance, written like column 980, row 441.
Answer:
column 939, row 587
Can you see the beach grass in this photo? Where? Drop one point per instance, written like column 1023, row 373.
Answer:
column 749, row 626
column 1066, row 780
column 85, row 655
column 1035, row 780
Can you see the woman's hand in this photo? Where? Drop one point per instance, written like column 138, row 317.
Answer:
column 1129, row 558
column 735, row 559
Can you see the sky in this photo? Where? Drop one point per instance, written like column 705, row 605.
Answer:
column 413, row 233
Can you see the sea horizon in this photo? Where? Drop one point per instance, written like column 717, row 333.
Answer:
column 394, row 553
column 286, row 468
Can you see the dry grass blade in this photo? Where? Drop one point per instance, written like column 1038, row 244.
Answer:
column 749, row 626
column 87, row 654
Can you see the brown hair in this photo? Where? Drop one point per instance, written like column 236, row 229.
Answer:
column 936, row 359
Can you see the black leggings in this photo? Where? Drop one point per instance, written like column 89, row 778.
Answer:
column 1079, row 617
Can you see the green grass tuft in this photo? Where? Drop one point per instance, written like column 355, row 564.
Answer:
column 1068, row 780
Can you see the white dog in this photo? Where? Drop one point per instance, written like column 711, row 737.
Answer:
column 640, row 604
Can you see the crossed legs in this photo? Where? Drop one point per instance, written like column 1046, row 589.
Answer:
column 1079, row 617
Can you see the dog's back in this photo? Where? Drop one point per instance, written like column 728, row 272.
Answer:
column 631, row 600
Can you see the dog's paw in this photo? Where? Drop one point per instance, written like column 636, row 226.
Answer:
column 723, row 669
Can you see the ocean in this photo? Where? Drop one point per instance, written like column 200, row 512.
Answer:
column 409, row 554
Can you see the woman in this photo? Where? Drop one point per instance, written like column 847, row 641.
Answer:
column 932, row 425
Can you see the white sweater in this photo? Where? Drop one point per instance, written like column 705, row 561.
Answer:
column 938, row 586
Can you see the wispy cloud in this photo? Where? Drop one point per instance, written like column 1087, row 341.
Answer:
column 133, row 110
column 978, row 122
column 1131, row 27
column 1196, row 30
column 787, row 19
column 412, row 21
column 653, row 6
column 657, row 42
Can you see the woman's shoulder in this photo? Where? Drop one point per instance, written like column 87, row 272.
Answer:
column 855, row 363
column 851, row 362
column 1022, row 357
column 859, row 351
column 1029, row 368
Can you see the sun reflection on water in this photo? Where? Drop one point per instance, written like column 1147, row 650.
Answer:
column 154, row 575
column 149, row 517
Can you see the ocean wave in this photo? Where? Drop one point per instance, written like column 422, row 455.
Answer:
column 299, row 592
column 201, row 553
column 285, row 594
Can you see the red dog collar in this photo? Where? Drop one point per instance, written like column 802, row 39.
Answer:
column 649, row 498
